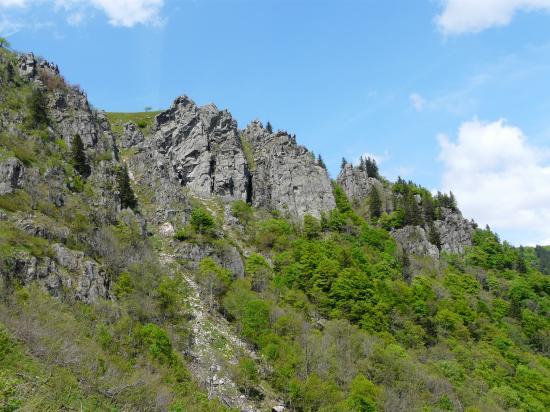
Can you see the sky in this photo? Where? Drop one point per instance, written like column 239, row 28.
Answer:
column 452, row 94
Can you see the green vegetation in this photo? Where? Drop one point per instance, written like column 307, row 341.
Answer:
column 338, row 317
column 79, row 160
column 248, row 152
column 144, row 120
column 127, row 197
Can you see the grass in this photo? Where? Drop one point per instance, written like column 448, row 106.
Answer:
column 144, row 120
column 248, row 153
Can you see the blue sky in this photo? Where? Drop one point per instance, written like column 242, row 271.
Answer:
column 425, row 86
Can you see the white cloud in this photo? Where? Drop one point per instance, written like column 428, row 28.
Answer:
column 499, row 179
column 417, row 101
column 12, row 3
column 128, row 13
column 379, row 158
column 124, row 13
column 463, row 16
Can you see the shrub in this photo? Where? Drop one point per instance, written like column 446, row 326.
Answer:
column 156, row 341
column 201, row 220
column 242, row 211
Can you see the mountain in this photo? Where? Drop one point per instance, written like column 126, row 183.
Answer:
column 174, row 261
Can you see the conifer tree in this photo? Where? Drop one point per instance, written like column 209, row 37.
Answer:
column 269, row 128
column 321, row 162
column 344, row 162
column 38, row 116
column 127, row 197
column 372, row 167
column 433, row 235
column 78, row 155
column 375, row 204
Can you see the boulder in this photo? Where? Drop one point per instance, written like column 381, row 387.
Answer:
column 132, row 135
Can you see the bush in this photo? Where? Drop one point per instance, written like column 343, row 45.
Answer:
column 156, row 341
column 242, row 211
column 201, row 220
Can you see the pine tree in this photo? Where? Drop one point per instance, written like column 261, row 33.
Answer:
column 321, row 163
column 269, row 128
column 127, row 197
column 433, row 236
column 413, row 216
column 79, row 160
column 375, row 204
column 521, row 266
column 372, row 167
column 38, row 116
column 344, row 162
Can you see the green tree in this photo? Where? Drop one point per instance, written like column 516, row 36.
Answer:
column 371, row 167
column 321, row 162
column 214, row 279
column 375, row 203
column 362, row 396
column 201, row 220
column 4, row 43
column 268, row 127
column 80, row 163
column 38, row 115
column 312, row 227
column 344, row 163
column 127, row 197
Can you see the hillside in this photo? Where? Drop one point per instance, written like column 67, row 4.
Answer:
column 173, row 261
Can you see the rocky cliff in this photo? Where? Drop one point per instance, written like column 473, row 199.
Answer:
column 200, row 150
column 453, row 232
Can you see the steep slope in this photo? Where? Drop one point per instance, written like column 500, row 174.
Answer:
column 188, row 265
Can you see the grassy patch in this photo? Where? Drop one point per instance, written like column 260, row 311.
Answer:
column 144, row 120
column 248, row 153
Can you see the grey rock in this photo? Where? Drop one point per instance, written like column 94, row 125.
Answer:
column 286, row 176
column 132, row 136
column 414, row 241
column 87, row 280
column 455, row 232
column 11, row 175
column 70, row 272
column 357, row 185
column 228, row 257
column 201, row 148
column 27, row 65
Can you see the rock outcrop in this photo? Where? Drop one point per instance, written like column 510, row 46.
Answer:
column 357, row 185
column 68, row 272
column 199, row 150
column 285, row 175
column 455, row 231
column 11, row 175
column 414, row 241
column 132, row 136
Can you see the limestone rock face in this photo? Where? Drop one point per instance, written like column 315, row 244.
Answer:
column 201, row 148
column 357, row 185
column 69, row 272
column 132, row 135
column 11, row 175
column 285, row 175
column 88, row 281
column 414, row 241
column 455, row 231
